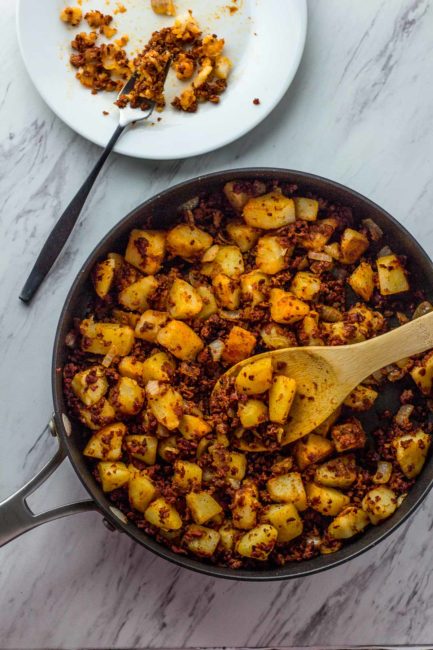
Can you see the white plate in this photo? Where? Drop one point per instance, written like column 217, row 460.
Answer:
column 264, row 39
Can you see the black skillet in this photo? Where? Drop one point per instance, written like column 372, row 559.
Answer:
column 16, row 517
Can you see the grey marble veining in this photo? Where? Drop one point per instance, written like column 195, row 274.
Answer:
column 361, row 112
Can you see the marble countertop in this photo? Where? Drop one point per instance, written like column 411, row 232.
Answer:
column 360, row 111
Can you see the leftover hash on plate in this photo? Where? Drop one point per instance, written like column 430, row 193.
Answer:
column 254, row 266
column 195, row 58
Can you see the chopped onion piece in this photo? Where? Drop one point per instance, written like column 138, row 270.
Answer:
column 109, row 357
column 210, row 254
column 384, row 251
column 216, row 349
column 230, row 315
column 383, row 472
column 71, row 339
column 403, row 414
column 423, row 308
column 320, row 257
column 375, row 232
column 190, row 204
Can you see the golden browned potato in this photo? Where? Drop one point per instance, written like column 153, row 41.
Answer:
column 183, row 300
column 340, row 472
column 227, row 260
column 253, row 287
column 252, row 413
column 305, row 285
column 242, row 235
column 233, row 463
column 362, row 280
column 99, row 338
column 326, row 500
column 149, row 324
column 131, row 367
column 141, row 490
column 348, row 435
column 159, row 366
column 136, row 295
column 423, row 374
column 351, row 521
column 309, row 330
column 272, row 254
column 188, row 242
column 112, row 475
column 276, row 337
column 187, row 476
column 227, row 291
column 90, row 385
column 99, row 415
column 142, row 447
column 255, row 377
column 306, row 209
column 104, row 274
column 168, row 449
column 180, row 340
column 222, row 67
column 127, row 396
column 236, row 196
column 228, row 536
column 392, row 275
column 146, row 250
column 163, row 515
column 281, row 396
column 286, row 308
column 210, row 306
column 245, row 506
column 353, row 244
column 379, row 503
column 163, row 7
column 126, row 317
column 106, row 444
column 203, row 506
column 258, row 542
column 71, row 15
column 165, row 403
column 288, row 488
column 319, row 233
column 285, row 518
column 239, row 345
column 411, row 451
column 362, row 398
column 312, row 449
column 193, row 427
column 269, row 211
column 201, row 541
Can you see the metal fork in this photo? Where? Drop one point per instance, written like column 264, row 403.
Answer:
column 63, row 228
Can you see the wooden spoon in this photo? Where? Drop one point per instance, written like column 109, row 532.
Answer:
column 326, row 375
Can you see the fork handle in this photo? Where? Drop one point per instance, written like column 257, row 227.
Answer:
column 64, row 226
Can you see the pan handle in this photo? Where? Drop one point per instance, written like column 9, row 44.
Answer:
column 16, row 517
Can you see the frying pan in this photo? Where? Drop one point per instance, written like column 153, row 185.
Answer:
column 162, row 210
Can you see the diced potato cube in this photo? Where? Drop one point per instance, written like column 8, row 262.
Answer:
column 141, row 490
column 252, row 413
column 349, row 435
column 319, row 233
column 286, row 308
column 193, row 427
column 71, row 15
column 312, row 449
column 253, row 286
column 309, row 330
column 163, row 7
column 237, row 196
column 379, row 503
column 126, row 317
column 90, row 385
column 239, row 345
column 159, row 366
column 188, row 241
column 242, row 235
column 183, row 300
column 392, row 275
column 227, row 291
column 103, row 276
column 149, row 324
column 146, row 250
column 228, row 536
column 411, row 452
column 258, row 542
column 210, row 306
column 271, row 254
column 362, row 280
column 369, row 321
column 201, row 541
column 163, row 515
column 305, row 285
column 127, row 396
column 180, row 340
column 203, row 506
column 142, row 447
column 383, row 472
column 112, row 475
column 326, row 500
column 222, row 67
column 351, row 521
column 136, row 295
column 131, row 367
column 269, row 211
column 276, row 337
column 288, row 488
column 168, row 449
column 281, row 396
column 245, row 506
column 99, row 338
column 165, row 403
column 353, row 244
column 285, row 518
column 106, row 444
column 237, row 466
column 228, row 260
column 306, row 209
column 339, row 472
column 362, row 398
column 255, row 377
column 187, row 476
column 98, row 415
column 423, row 375
column 282, row 466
